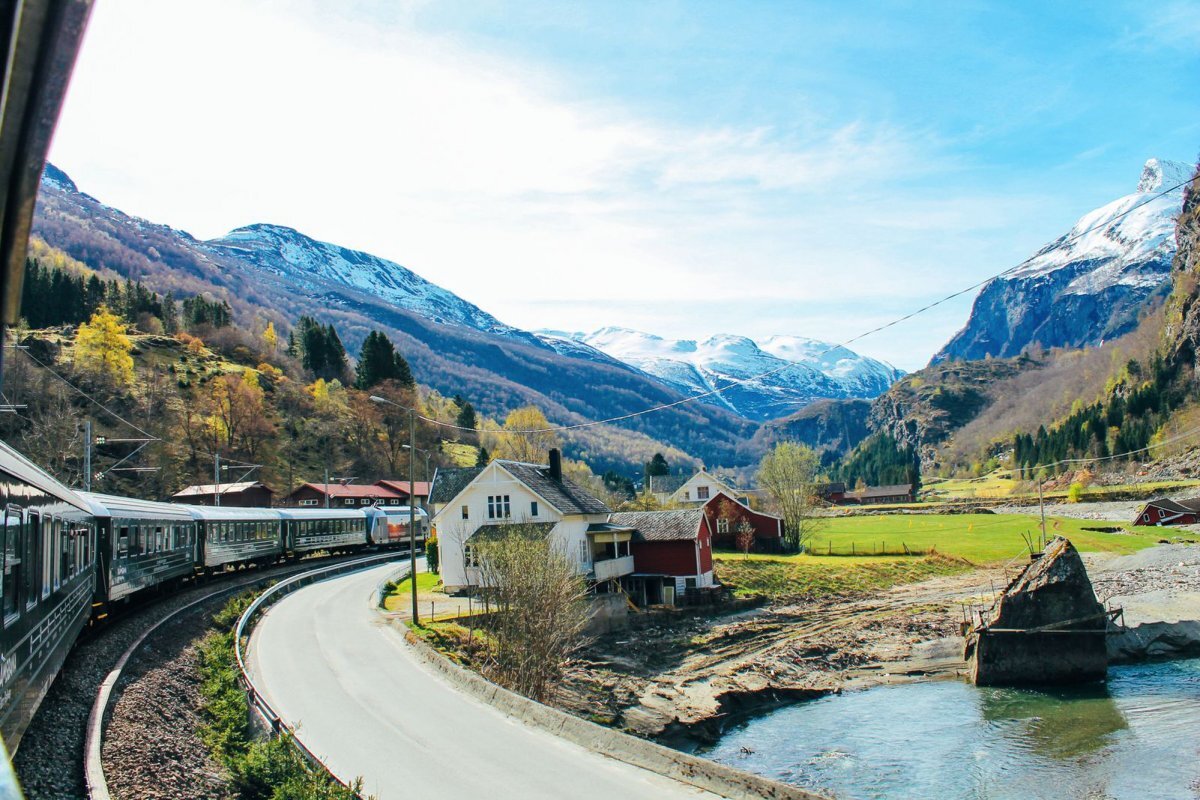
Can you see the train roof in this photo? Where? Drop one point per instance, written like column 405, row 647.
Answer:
column 25, row 470
column 111, row 505
column 322, row 513
column 395, row 511
column 240, row 514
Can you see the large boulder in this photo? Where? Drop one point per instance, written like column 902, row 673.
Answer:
column 1047, row 627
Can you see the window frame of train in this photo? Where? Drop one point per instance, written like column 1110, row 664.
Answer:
column 14, row 526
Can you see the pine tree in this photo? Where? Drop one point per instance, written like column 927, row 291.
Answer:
column 482, row 459
column 466, row 414
column 378, row 361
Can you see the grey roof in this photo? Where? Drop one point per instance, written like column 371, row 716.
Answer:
column 226, row 488
column 110, row 505
column 496, row 531
column 607, row 527
column 661, row 526
column 667, row 484
column 883, row 491
column 1175, row 506
column 23, row 469
column 447, row 483
column 565, row 495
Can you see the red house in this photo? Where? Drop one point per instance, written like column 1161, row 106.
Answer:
column 420, row 490
column 341, row 495
column 726, row 516
column 1169, row 512
column 672, row 555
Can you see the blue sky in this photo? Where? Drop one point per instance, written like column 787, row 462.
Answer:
column 683, row 168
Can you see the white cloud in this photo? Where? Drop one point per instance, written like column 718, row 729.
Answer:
column 489, row 177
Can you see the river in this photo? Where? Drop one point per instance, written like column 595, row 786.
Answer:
column 1136, row 737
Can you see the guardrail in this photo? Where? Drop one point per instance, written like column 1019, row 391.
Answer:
column 257, row 702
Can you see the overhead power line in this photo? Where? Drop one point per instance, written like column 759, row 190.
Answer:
column 789, row 365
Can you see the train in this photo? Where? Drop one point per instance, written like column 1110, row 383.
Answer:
column 72, row 558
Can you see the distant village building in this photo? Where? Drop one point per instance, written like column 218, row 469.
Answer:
column 339, row 495
column 834, row 492
column 653, row 557
column 420, row 490
column 695, row 489
column 246, row 494
column 725, row 516
column 877, row 495
column 1169, row 512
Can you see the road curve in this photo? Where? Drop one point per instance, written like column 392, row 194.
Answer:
column 361, row 701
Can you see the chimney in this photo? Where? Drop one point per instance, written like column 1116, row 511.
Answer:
column 555, row 465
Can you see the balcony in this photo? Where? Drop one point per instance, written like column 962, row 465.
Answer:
column 610, row 568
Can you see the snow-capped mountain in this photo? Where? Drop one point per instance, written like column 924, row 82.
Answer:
column 1087, row 286
column 308, row 262
column 800, row 370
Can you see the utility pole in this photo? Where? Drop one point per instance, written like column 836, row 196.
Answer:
column 327, row 486
column 412, row 512
column 1042, row 508
column 216, row 479
column 87, row 455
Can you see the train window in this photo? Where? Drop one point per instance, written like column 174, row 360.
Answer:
column 30, row 538
column 64, row 553
column 47, row 545
column 123, row 542
column 12, row 561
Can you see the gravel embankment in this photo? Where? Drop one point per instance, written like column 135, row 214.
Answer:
column 49, row 762
column 151, row 748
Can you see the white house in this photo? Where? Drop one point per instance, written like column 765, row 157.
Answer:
column 475, row 503
column 696, row 490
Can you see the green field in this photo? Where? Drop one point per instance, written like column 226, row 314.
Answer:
column 979, row 538
column 397, row 599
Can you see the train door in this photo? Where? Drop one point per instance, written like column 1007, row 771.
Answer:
column 31, row 541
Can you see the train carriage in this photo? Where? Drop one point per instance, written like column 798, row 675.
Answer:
column 388, row 525
column 141, row 544
column 237, row 535
column 48, row 550
column 306, row 530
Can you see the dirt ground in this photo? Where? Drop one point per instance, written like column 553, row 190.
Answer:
column 684, row 681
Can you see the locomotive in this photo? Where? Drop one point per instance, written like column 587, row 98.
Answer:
column 70, row 557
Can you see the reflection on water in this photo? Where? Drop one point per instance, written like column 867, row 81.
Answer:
column 1138, row 736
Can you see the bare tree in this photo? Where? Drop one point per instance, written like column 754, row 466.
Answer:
column 541, row 607
column 789, row 472
column 744, row 537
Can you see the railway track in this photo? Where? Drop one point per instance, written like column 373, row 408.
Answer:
column 52, row 758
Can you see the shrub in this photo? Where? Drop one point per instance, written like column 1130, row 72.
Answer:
column 1075, row 492
column 431, row 554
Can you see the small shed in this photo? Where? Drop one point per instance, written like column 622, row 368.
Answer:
column 246, row 494
column 1169, row 512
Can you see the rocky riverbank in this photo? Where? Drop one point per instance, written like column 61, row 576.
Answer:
column 685, row 682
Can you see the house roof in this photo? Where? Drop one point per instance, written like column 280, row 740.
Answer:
column 714, row 505
column 565, row 495
column 449, row 482
column 350, row 490
column 661, row 526
column 1191, row 506
column 667, row 484
column 883, row 491
column 226, row 488
column 494, row 532
column 420, row 488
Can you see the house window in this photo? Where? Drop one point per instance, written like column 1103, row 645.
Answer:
column 466, row 512
column 1146, row 517
column 469, row 557
column 349, row 501
column 687, row 495
column 689, row 583
column 364, row 501
column 395, row 501
column 498, row 507
column 701, row 492
column 533, row 509
column 583, row 552
column 722, row 525
column 308, row 502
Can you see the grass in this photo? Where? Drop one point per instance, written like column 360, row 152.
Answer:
column 1001, row 484
column 399, row 596
column 979, row 538
column 259, row 769
column 463, row 455
column 793, row 579
column 959, row 541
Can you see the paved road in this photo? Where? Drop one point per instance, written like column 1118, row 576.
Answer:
column 361, row 701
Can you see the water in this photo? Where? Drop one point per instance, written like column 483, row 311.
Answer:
column 1135, row 738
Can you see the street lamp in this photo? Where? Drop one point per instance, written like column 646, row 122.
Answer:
column 412, row 513
column 428, row 456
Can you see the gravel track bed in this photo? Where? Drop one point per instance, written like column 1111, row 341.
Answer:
column 49, row 762
column 151, row 747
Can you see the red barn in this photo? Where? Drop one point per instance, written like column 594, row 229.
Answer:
column 339, row 495
column 1169, row 512
column 726, row 515
column 672, row 555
